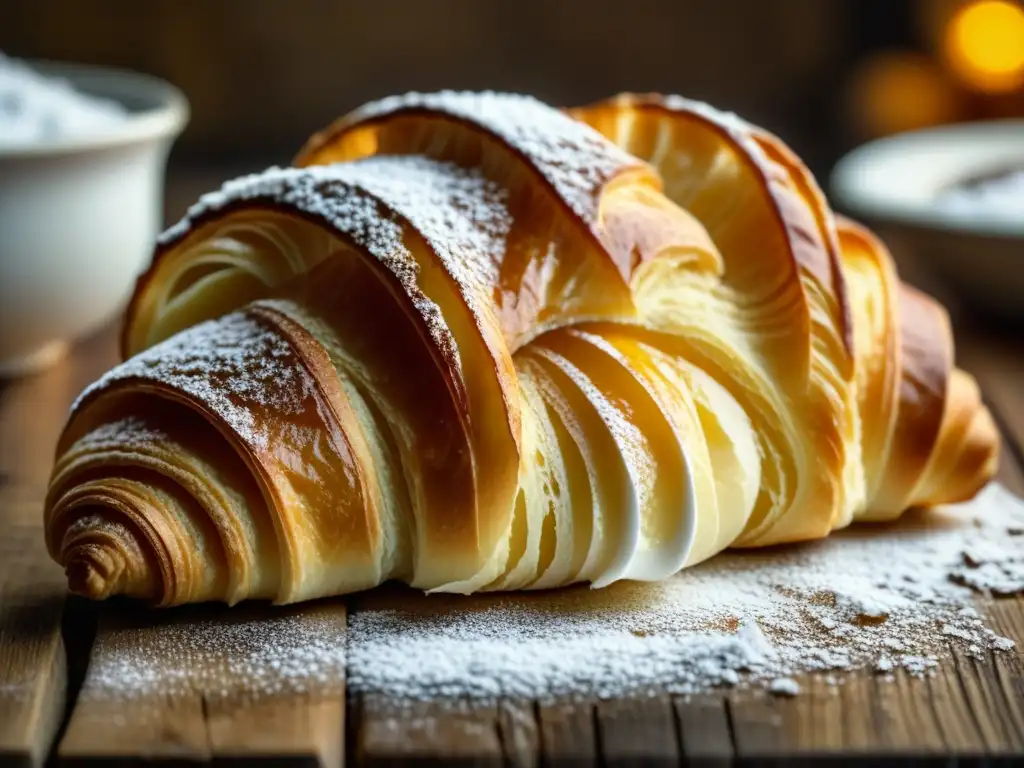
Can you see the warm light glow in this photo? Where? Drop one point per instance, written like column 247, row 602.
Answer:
column 899, row 91
column 984, row 45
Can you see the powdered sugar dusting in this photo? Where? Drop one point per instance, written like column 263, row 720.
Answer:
column 784, row 686
column 994, row 567
column 119, row 434
column 319, row 191
column 758, row 618
column 219, row 652
column 461, row 214
column 236, row 366
column 876, row 598
column 573, row 158
column 729, row 120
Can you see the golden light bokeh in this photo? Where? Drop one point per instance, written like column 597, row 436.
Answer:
column 896, row 91
column 984, row 45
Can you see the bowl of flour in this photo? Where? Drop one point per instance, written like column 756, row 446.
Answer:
column 82, row 157
column 954, row 195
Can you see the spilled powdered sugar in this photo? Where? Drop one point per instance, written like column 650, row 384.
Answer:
column 242, row 653
column 883, row 598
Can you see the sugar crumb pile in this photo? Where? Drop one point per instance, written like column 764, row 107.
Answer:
column 35, row 109
column 883, row 598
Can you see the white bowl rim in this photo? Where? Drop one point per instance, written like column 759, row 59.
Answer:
column 166, row 118
column 852, row 190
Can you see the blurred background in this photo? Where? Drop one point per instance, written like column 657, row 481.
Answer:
column 826, row 75
column 262, row 75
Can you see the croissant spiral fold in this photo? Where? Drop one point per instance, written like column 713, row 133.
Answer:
column 471, row 342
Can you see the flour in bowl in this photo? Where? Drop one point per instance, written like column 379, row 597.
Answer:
column 36, row 109
column 998, row 195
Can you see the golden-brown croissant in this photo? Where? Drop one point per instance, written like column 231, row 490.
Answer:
column 475, row 343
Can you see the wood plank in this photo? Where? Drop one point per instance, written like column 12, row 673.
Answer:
column 32, row 661
column 991, row 688
column 907, row 726
column 970, row 708
column 704, row 733
column 818, row 714
column 390, row 732
column 638, row 731
column 1007, row 618
column 33, row 670
column 247, row 684
column 857, row 717
column 860, row 726
column 952, row 712
column 981, row 691
column 396, row 734
column 758, row 726
column 568, row 734
column 520, row 733
column 998, row 365
column 810, row 725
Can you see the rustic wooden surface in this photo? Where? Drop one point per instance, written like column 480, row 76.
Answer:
column 970, row 710
column 213, row 711
column 33, row 669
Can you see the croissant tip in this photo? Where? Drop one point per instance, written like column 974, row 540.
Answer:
column 92, row 574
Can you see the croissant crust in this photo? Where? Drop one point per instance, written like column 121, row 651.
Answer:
column 471, row 342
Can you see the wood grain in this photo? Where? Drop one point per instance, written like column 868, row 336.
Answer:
column 397, row 735
column 33, row 670
column 520, row 733
column 705, row 734
column 568, row 733
column 32, row 661
column 250, row 683
column 155, row 692
column 638, row 731
column 998, row 365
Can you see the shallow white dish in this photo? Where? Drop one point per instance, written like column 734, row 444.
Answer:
column 78, row 217
column 896, row 183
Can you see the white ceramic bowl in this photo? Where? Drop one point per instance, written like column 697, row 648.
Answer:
column 895, row 183
column 78, row 217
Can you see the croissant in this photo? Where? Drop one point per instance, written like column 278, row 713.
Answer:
column 471, row 342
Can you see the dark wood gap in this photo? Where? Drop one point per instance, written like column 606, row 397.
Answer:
column 677, row 731
column 204, row 708
column 503, row 742
column 730, row 721
column 595, row 723
column 353, row 720
column 78, row 634
column 541, row 761
column 703, row 731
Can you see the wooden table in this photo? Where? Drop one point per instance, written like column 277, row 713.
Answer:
column 50, row 704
